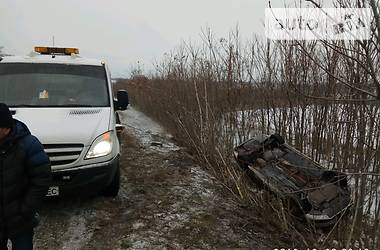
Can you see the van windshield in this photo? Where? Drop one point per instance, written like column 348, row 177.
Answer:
column 53, row 85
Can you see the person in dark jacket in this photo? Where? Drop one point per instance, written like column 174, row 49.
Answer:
column 25, row 175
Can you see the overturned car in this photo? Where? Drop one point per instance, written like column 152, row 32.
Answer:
column 318, row 194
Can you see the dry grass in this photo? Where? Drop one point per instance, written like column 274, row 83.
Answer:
column 213, row 97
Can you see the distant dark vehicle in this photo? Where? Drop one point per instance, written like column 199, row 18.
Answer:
column 318, row 194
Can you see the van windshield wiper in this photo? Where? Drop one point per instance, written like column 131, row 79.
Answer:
column 24, row 105
column 77, row 105
column 50, row 106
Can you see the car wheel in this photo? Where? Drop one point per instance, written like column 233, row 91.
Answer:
column 118, row 119
column 277, row 139
column 113, row 188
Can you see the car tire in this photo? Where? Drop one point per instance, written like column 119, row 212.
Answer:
column 277, row 139
column 112, row 189
column 118, row 118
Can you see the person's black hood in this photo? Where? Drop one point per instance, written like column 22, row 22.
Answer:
column 5, row 116
column 19, row 129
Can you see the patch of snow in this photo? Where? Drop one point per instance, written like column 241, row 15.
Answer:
column 200, row 179
column 138, row 225
column 249, row 123
column 138, row 243
column 150, row 133
column 77, row 234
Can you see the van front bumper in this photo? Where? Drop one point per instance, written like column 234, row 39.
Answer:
column 86, row 179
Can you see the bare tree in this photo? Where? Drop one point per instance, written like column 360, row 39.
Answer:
column 357, row 83
column 2, row 54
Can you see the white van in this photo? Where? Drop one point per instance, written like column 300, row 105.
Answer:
column 67, row 103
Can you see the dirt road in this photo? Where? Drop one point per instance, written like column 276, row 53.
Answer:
column 166, row 202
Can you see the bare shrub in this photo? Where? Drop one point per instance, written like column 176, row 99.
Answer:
column 214, row 96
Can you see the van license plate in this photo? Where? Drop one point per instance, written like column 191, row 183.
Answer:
column 53, row 191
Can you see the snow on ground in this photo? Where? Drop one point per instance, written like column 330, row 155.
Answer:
column 166, row 202
column 76, row 235
column 250, row 123
column 148, row 132
column 190, row 208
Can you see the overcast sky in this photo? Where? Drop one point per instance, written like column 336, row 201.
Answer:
column 123, row 32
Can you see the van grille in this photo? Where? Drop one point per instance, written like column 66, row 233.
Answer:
column 85, row 112
column 62, row 154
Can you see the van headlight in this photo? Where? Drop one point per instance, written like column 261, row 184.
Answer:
column 102, row 146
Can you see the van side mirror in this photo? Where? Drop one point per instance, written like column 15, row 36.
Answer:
column 122, row 101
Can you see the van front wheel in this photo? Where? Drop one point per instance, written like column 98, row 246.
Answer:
column 113, row 188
